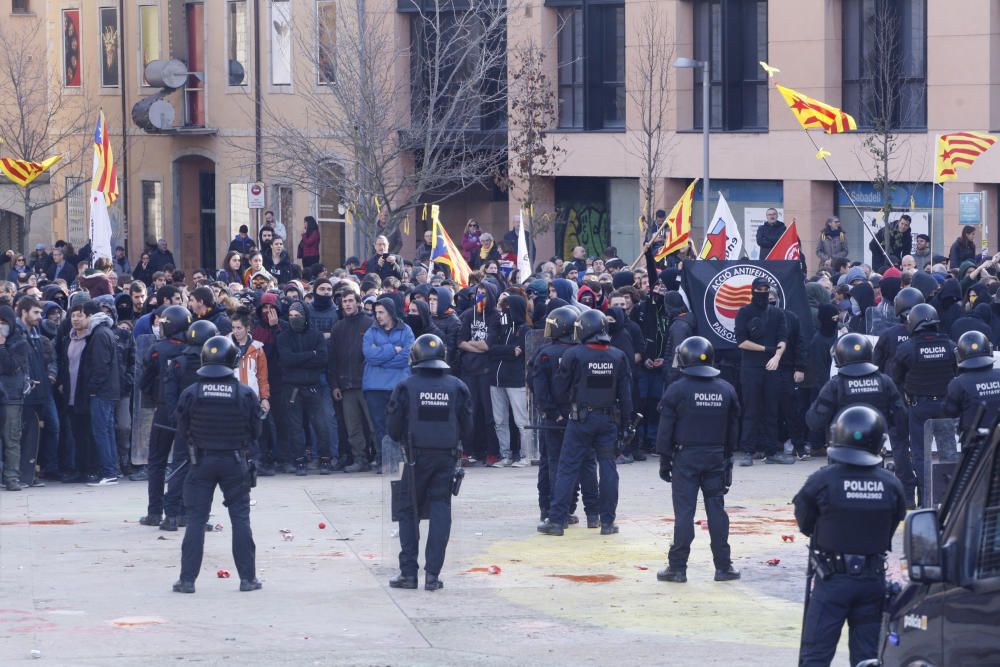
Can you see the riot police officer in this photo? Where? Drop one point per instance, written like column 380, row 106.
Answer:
column 925, row 364
column 554, row 409
column 598, row 380
column 699, row 429
column 218, row 419
column 429, row 412
column 173, row 321
column 978, row 382
column 890, row 339
column 859, row 381
column 850, row 510
column 182, row 372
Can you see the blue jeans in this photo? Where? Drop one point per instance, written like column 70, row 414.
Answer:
column 650, row 384
column 330, row 417
column 595, row 433
column 102, row 428
column 48, row 448
column 378, row 402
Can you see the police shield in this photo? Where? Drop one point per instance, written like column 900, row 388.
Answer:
column 142, row 406
column 534, row 340
column 940, row 458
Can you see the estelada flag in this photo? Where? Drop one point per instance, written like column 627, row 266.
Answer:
column 813, row 113
column 787, row 246
column 722, row 238
column 717, row 290
column 23, row 172
column 444, row 251
column 959, row 150
column 678, row 224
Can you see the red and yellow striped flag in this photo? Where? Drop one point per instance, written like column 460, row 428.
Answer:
column 24, row 172
column 813, row 113
column 444, row 251
column 958, row 150
column 678, row 224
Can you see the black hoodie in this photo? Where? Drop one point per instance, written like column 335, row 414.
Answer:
column 447, row 321
column 477, row 322
column 818, row 352
column 978, row 319
column 14, row 353
column 948, row 304
column 682, row 326
column 422, row 324
column 303, row 354
column 507, row 366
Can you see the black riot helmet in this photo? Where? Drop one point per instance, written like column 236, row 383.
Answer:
column 906, row 299
column 199, row 332
column 922, row 317
column 428, row 351
column 974, row 351
column 218, row 357
column 856, row 436
column 853, row 355
column 560, row 323
column 696, row 356
column 174, row 320
column 592, row 327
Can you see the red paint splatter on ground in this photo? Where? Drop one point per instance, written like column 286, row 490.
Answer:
column 43, row 522
column 471, row 570
column 136, row 621
column 586, row 578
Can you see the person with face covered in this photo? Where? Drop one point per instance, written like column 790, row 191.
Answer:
column 948, row 304
column 862, row 298
column 474, row 365
column 444, row 318
column 303, row 355
column 762, row 335
column 586, row 296
column 682, row 326
column 418, row 318
column 507, row 375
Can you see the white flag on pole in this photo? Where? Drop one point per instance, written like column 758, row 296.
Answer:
column 523, row 255
column 722, row 238
column 100, row 226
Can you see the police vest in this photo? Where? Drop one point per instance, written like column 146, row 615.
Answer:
column 859, row 513
column 185, row 368
column 702, row 412
column 433, row 411
column 166, row 351
column 217, row 419
column 597, row 381
column 869, row 389
column 932, row 367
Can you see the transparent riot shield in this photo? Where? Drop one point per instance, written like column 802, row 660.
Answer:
column 941, row 450
column 142, row 406
column 533, row 341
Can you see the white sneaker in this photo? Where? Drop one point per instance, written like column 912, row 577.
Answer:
column 520, row 463
column 105, row 481
column 505, row 463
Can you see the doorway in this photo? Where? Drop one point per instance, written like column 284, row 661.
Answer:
column 194, row 213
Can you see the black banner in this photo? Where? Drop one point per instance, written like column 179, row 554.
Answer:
column 717, row 290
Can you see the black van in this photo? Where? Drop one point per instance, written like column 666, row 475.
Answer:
column 949, row 613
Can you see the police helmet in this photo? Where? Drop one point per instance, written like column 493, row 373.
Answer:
column 218, row 357
column 174, row 320
column 199, row 332
column 853, row 355
column 974, row 351
column 856, row 436
column 922, row 317
column 696, row 356
column 560, row 323
column 592, row 327
column 906, row 299
column 428, row 351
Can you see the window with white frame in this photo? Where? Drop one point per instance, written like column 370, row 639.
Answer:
column 326, row 41
column 281, row 43
column 239, row 208
column 152, row 210
column 237, row 60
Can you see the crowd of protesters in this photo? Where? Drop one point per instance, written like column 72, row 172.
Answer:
column 324, row 347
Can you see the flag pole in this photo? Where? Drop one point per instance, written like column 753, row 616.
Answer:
column 850, row 198
column 930, row 223
column 646, row 246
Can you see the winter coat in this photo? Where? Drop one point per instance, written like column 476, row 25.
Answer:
column 253, row 367
column 308, row 245
column 832, row 244
column 470, row 245
column 477, row 322
column 282, row 270
column 384, row 366
column 507, row 368
column 143, row 273
column 961, row 252
column 303, row 354
column 220, row 318
column 895, row 242
column 423, row 323
column 347, row 362
column 388, row 269
column 241, row 244
column 160, row 258
column 768, row 235
column 14, row 359
column 447, row 321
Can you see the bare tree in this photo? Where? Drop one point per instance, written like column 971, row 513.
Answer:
column 649, row 91
column 361, row 140
column 39, row 119
column 533, row 153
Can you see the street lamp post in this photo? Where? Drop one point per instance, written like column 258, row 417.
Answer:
column 690, row 63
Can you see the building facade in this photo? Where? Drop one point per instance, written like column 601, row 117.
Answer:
column 188, row 182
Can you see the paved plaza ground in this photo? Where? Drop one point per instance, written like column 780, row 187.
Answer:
column 82, row 583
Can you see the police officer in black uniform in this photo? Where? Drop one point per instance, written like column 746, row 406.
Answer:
column 978, row 382
column 925, row 364
column 218, row 419
column 429, row 412
column 598, row 380
column 859, row 381
column 554, row 408
column 182, row 372
column 890, row 339
column 850, row 510
column 174, row 321
column 699, row 429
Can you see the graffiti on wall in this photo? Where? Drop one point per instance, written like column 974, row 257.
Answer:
column 584, row 224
